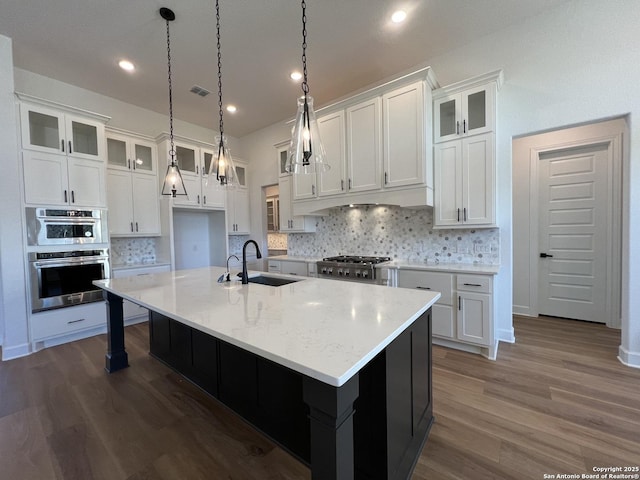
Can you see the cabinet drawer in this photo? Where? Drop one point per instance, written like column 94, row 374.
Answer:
column 438, row 282
column 294, row 268
column 63, row 321
column 273, row 266
column 474, row 283
column 129, row 272
column 443, row 323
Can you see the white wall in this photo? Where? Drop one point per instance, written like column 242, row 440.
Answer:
column 13, row 306
column 574, row 64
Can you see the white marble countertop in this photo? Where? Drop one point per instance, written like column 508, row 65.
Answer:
column 325, row 329
column 293, row 258
column 442, row 267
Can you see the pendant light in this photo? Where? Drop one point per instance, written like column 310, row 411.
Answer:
column 306, row 153
column 222, row 164
column 173, row 184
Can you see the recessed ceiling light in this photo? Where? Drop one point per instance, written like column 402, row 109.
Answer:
column 231, row 108
column 295, row 76
column 399, row 16
column 126, row 65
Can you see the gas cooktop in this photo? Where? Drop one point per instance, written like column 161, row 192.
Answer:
column 360, row 260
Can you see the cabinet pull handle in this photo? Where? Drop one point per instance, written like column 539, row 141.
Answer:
column 62, row 145
column 458, row 128
column 129, row 163
column 65, row 197
column 204, row 199
column 385, row 178
column 70, row 151
column 349, row 184
column 423, row 288
column 465, row 213
column 136, row 226
column 132, row 226
column 198, row 199
column 458, row 214
column 73, row 196
column 459, row 302
column 342, row 185
column 75, row 321
column 313, row 189
column 472, row 284
column 197, row 172
column 464, row 126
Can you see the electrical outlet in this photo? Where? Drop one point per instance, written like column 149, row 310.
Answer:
column 482, row 248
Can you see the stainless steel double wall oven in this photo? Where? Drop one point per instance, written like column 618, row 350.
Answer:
column 67, row 251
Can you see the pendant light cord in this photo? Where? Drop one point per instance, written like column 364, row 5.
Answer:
column 305, row 85
column 172, row 151
column 219, row 71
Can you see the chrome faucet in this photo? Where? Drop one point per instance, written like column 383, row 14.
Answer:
column 245, row 277
column 229, row 258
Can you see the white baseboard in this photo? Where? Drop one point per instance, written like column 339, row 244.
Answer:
column 506, row 335
column 523, row 310
column 17, row 351
column 630, row 359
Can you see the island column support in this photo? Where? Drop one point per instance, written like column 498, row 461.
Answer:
column 331, row 420
column 116, row 357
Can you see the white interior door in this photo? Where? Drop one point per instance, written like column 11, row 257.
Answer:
column 573, row 225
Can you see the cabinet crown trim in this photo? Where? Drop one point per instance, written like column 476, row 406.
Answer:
column 120, row 131
column 496, row 76
column 25, row 97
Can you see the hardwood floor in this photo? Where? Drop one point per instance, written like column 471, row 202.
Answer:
column 557, row 401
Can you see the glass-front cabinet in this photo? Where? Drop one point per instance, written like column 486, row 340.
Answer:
column 128, row 153
column 467, row 113
column 53, row 131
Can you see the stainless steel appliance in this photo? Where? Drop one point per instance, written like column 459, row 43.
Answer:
column 350, row 267
column 61, row 279
column 61, row 226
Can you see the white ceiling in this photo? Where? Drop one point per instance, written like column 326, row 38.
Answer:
column 351, row 44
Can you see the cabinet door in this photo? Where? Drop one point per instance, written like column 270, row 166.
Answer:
column 187, row 160
column 283, row 154
column 304, row 186
column 294, row 268
column 364, row 143
column 474, row 318
column 45, row 178
column 84, row 138
column 478, row 110
column 284, row 186
column 143, row 156
column 241, row 211
column 146, row 205
column 118, row 153
column 120, row 202
column 478, row 184
column 86, row 183
column 404, row 142
column 448, row 184
column 42, row 129
column 192, row 186
column 331, row 129
column 447, row 116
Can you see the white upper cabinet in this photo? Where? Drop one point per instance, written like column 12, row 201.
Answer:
column 53, row 131
column 470, row 112
column 132, row 185
column 288, row 222
column 213, row 194
column 404, row 136
column 63, row 154
column 332, row 134
column 238, row 217
column 364, row 146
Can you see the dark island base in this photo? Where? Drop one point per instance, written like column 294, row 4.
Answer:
column 373, row 427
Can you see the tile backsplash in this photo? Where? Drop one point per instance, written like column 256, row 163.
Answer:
column 399, row 233
column 133, row 251
column 277, row 241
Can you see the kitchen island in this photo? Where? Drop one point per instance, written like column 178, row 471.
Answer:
column 338, row 373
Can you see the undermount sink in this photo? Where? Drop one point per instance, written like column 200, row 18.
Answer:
column 272, row 281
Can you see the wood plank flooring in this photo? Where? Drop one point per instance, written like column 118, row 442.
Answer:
column 557, row 401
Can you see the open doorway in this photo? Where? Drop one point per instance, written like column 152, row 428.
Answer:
column 567, row 222
column 276, row 241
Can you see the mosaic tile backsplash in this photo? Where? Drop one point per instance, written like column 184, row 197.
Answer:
column 277, row 241
column 236, row 242
column 399, row 233
column 133, row 251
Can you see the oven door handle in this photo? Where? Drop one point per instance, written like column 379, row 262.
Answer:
column 70, row 261
column 71, row 220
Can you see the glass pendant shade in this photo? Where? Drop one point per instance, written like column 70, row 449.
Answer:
column 306, row 153
column 222, row 167
column 173, row 184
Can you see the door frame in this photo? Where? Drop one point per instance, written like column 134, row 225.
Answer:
column 609, row 134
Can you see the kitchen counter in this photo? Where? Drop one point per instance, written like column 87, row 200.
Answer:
column 325, row 329
column 442, row 267
column 294, row 258
column 293, row 360
column 133, row 266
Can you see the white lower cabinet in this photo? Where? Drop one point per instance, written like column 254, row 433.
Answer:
column 131, row 310
column 464, row 311
column 292, row 267
column 67, row 321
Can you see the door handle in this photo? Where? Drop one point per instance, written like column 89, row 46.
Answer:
column 70, row 151
column 62, row 145
column 545, row 255
column 423, row 288
column 458, row 214
column 73, row 197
